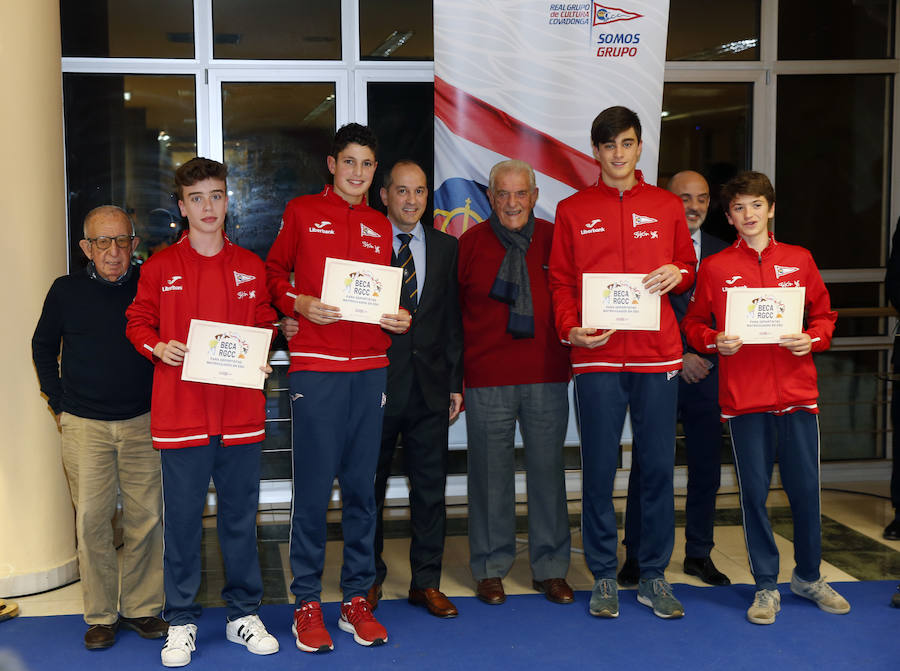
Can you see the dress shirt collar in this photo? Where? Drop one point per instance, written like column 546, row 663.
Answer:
column 418, row 233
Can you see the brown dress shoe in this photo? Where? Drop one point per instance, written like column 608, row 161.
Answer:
column 490, row 590
column 434, row 600
column 374, row 595
column 556, row 590
column 99, row 636
column 146, row 627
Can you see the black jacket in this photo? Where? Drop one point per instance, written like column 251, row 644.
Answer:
column 432, row 348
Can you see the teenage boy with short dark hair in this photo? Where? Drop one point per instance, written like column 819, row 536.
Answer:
column 337, row 382
column 768, row 392
column 204, row 430
column 624, row 225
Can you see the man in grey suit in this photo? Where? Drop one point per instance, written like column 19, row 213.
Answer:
column 698, row 409
column 424, row 384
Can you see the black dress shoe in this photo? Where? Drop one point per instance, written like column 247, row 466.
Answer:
column 892, row 530
column 630, row 575
column 146, row 627
column 100, row 636
column 703, row 568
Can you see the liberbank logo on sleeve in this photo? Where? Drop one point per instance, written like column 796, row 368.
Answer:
column 611, row 44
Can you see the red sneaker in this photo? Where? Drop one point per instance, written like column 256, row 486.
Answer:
column 357, row 619
column 309, row 629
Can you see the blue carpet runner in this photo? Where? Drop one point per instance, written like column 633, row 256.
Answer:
column 527, row 632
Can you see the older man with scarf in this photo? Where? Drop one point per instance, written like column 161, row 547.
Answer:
column 515, row 369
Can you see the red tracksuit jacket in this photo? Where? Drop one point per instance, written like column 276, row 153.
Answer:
column 170, row 293
column 315, row 227
column 761, row 378
column 600, row 231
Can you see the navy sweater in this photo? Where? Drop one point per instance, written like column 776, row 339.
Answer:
column 103, row 377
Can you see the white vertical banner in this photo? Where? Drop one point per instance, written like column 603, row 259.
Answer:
column 524, row 79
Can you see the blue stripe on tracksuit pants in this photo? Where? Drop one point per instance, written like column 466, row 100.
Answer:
column 757, row 439
column 337, row 418
column 185, row 483
column 602, row 401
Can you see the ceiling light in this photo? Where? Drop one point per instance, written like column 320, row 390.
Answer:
column 393, row 42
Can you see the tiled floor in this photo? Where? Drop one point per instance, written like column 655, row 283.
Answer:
column 853, row 549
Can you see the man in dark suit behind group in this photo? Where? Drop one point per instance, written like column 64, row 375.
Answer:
column 424, row 384
column 698, row 409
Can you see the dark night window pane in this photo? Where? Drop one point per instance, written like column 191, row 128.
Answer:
column 706, row 127
column 275, row 155
column 402, row 116
column 277, row 29
column 396, row 30
column 832, row 175
column 127, row 28
column 836, row 29
column 125, row 136
column 712, row 30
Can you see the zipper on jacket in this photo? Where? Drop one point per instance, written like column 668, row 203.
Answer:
column 352, row 325
column 779, row 403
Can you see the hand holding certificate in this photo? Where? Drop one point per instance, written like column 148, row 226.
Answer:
column 226, row 354
column 764, row 315
column 618, row 301
column 362, row 292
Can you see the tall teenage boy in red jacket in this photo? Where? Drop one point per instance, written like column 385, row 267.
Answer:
column 337, row 381
column 204, row 430
column 768, row 392
column 624, row 225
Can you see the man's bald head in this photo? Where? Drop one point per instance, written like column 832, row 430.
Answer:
column 693, row 190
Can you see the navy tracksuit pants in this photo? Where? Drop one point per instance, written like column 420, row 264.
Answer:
column 337, row 420
column 602, row 402
column 185, row 483
column 757, row 439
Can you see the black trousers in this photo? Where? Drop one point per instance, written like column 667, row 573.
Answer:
column 895, row 421
column 423, row 434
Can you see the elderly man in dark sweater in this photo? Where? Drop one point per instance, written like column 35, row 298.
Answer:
column 102, row 405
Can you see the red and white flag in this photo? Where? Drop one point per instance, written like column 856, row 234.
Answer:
column 525, row 79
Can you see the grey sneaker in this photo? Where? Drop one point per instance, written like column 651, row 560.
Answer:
column 605, row 598
column 657, row 594
column 766, row 604
column 821, row 593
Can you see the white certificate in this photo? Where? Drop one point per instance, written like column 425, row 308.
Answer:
column 764, row 314
column 362, row 291
column 227, row 354
column 618, row 301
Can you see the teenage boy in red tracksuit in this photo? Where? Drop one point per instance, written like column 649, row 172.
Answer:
column 768, row 392
column 337, row 381
column 624, row 225
column 204, row 430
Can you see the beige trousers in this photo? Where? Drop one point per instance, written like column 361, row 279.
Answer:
column 102, row 458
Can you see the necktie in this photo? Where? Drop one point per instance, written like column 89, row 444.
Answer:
column 409, row 292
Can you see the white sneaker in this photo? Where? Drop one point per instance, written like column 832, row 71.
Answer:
column 822, row 593
column 180, row 643
column 766, row 604
column 251, row 632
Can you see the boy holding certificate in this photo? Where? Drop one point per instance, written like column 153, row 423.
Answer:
column 337, row 381
column 768, row 392
column 637, row 232
column 204, row 430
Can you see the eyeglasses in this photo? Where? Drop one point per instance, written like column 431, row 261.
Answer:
column 103, row 242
